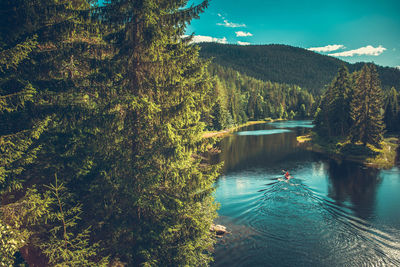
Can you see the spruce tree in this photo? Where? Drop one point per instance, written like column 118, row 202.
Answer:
column 367, row 108
column 392, row 111
column 339, row 105
column 334, row 115
column 157, row 193
column 17, row 148
column 322, row 117
column 46, row 104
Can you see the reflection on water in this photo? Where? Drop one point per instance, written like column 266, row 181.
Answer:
column 329, row 214
column 292, row 124
column 349, row 182
column 266, row 146
column 263, row 132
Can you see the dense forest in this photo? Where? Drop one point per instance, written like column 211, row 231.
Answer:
column 354, row 110
column 100, row 135
column 239, row 98
column 288, row 64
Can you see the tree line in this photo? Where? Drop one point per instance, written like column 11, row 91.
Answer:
column 100, row 135
column 288, row 64
column 354, row 107
column 240, row 98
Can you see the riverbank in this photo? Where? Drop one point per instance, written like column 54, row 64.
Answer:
column 228, row 131
column 382, row 158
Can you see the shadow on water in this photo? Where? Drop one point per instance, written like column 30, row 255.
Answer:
column 266, row 146
column 354, row 183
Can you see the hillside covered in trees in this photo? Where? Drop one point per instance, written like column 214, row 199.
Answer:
column 239, row 98
column 288, row 64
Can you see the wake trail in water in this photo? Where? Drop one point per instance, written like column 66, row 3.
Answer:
column 291, row 203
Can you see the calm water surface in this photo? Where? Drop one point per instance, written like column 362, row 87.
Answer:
column 330, row 214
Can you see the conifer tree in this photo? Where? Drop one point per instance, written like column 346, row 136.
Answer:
column 45, row 101
column 156, row 197
column 339, row 104
column 392, row 111
column 219, row 110
column 333, row 118
column 17, row 148
column 367, row 108
column 62, row 245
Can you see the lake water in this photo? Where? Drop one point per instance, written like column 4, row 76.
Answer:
column 329, row 214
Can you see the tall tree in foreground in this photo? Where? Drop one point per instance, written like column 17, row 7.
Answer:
column 367, row 108
column 157, row 192
column 18, row 131
column 43, row 106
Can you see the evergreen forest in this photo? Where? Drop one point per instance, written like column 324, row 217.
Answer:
column 100, row 135
column 102, row 114
column 288, row 64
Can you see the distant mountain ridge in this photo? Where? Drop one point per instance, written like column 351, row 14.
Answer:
column 288, row 64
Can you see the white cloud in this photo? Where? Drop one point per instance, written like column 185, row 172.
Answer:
column 327, row 48
column 243, row 43
column 231, row 24
column 207, row 39
column 243, row 34
column 367, row 50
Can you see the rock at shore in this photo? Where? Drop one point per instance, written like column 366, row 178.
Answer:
column 219, row 230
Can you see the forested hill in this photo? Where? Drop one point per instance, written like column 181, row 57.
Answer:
column 287, row 64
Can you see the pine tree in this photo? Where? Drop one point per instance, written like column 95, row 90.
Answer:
column 333, row 118
column 156, row 198
column 392, row 111
column 367, row 108
column 339, row 105
column 62, row 245
column 16, row 141
column 46, row 101
column 219, row 110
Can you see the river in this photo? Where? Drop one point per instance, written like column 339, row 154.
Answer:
column 329, row 214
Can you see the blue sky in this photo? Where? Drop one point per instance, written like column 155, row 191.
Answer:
column 354, row 31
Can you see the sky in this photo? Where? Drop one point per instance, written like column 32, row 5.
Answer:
column 351, row 30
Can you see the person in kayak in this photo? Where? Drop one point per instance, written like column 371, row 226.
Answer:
column 287, row 174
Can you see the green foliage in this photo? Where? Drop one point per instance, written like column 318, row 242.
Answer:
column 287, row 64
column 154, row 190
column 10, row 58
column 352, row 110
column 44, row 103
column 243, row 98
column 392, row 111
column 333, row 117
column 119, row 116
column 367, row 108
column 10, row 242
column 62, row 246
column 15, row 221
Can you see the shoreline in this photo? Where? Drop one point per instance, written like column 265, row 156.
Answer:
column 384, row 159
column 226, row 132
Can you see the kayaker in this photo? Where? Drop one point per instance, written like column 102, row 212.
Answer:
column 287, row 174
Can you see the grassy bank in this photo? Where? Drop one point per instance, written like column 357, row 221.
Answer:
column 368, row 155
column 228, row 131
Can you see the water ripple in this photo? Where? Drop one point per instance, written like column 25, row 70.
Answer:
column 291, row 215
